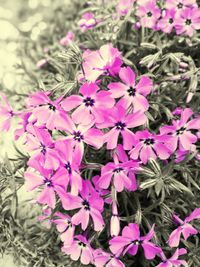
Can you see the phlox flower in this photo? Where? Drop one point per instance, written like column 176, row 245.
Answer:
column 40, row 142
column 130, row 92
column 65, row 228
column 51, row 184
column 181, row 130
column 124, row 6
column 6, row 113
column 149, row 13
column 184, row 228
column 120, row 122
column 67, row 39
column 174, row 260
column 120, row 173
column 80, row 248
column 90, row 204
column 167, row 22
column 106, row 60
column 80, row 134
column 149, row 145
column 179, row 5
column 69, row 164
column 105, row 193
column 47, row 112
column 104, row 259
column 87, row 21
column 114, row 222
column 188, row 22
column 130, row 241
column 90, row 105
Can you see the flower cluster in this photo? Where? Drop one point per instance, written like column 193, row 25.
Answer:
column 109, row 112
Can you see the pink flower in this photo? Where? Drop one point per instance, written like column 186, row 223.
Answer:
column 188, row 22
column 124, row 6
column 180, row 130
column 91, row 105
column 130, row 92
column 50, row 183
column 149, row 145
column 104, row 259
column 122, row 173
column 106, row 60
column 149, row 13
column 6, row 113
column 184, row 228
column 83, row 134
column 120, row 122
column 80, row 248
column 167, row 22
column 48, row 112
column 90, row 204
column 179, row 5
column 69, row 164
column 87, row 21
column 67, row 39
column 131, row 240
column 39, row 141
column 173, row 261
column 114, row 222
column 65, row 227
column 25, row 121
column 41, row 63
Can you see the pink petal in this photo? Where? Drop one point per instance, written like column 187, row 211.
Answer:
column 71, row 102
column 150, row 250
column 94, row 137
column 47, row 196
column 128, row 139
column 188, row 230
column 32, row 180
column 81, row 217
column 187, row 139
column 140, row 103
column 127, row 75
column 132, row 231
column 144, row 86
column 111, row 138
column 89, row 89
column 194, row 215
column 117, row 89
column 97, row 220
column 174, row 237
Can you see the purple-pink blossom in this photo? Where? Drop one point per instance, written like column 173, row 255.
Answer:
column 67, row 39
column 174, row 260
column 124, row 6
column 87, row 21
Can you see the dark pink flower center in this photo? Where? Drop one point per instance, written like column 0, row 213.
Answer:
column 48, row 182
column 136, row 242
column 180, row 5
column 171, row 21
column 81, row 244
column 120, row 125
column 78, row 136
column 43, row 149
column 131, row 91
column 88, row 101
column 52, row 107
column 117, row 170
column 149, row 141
column 188, row 22
column 86, row 205
column 180, row 131
column 68, row 167
column 149, row 14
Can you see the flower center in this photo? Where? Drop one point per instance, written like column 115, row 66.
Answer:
column 86, row 205
column 131, row 91
column 117, row 170
column 120, row 125
column 136, row 242
column 68, row 167
column 81, row 244
column 188, row 22
column 180, row 5
column 43, row 149
column 48, row 182
column 78, row 136
column 52, row 107
column 149, row 14
column 149, row 141
column 171, row 21
column 89, row 102
column 180, row 131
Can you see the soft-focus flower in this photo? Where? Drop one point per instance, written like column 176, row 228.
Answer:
column 87, row 21
column 90, row 204
column 124, row 6
column 149, row 13
column 188, row 22
column 67, row 39
column 121, row 122
column 69, row 164
column 6, row 113
column 174, row 260
column 130, row 92
column 80, row 248
column 131, row 240
column 149, row 145
column 106, row 60
column 184, row 228
column 48, row 112
column 179, row 5
column 104, row 259
column 167, row 22
column 41, row 63
column 121, row 174
column 65, row 228
column 181, row 130
column 91, row 104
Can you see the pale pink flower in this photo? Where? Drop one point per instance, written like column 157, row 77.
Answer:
column 167, row 22
column 90, row 105
column 114, row 222
column 87, row 21
column 130, row 92
column 124, row 6
column 67, row 39
column 6, row 113
column 179, row 5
